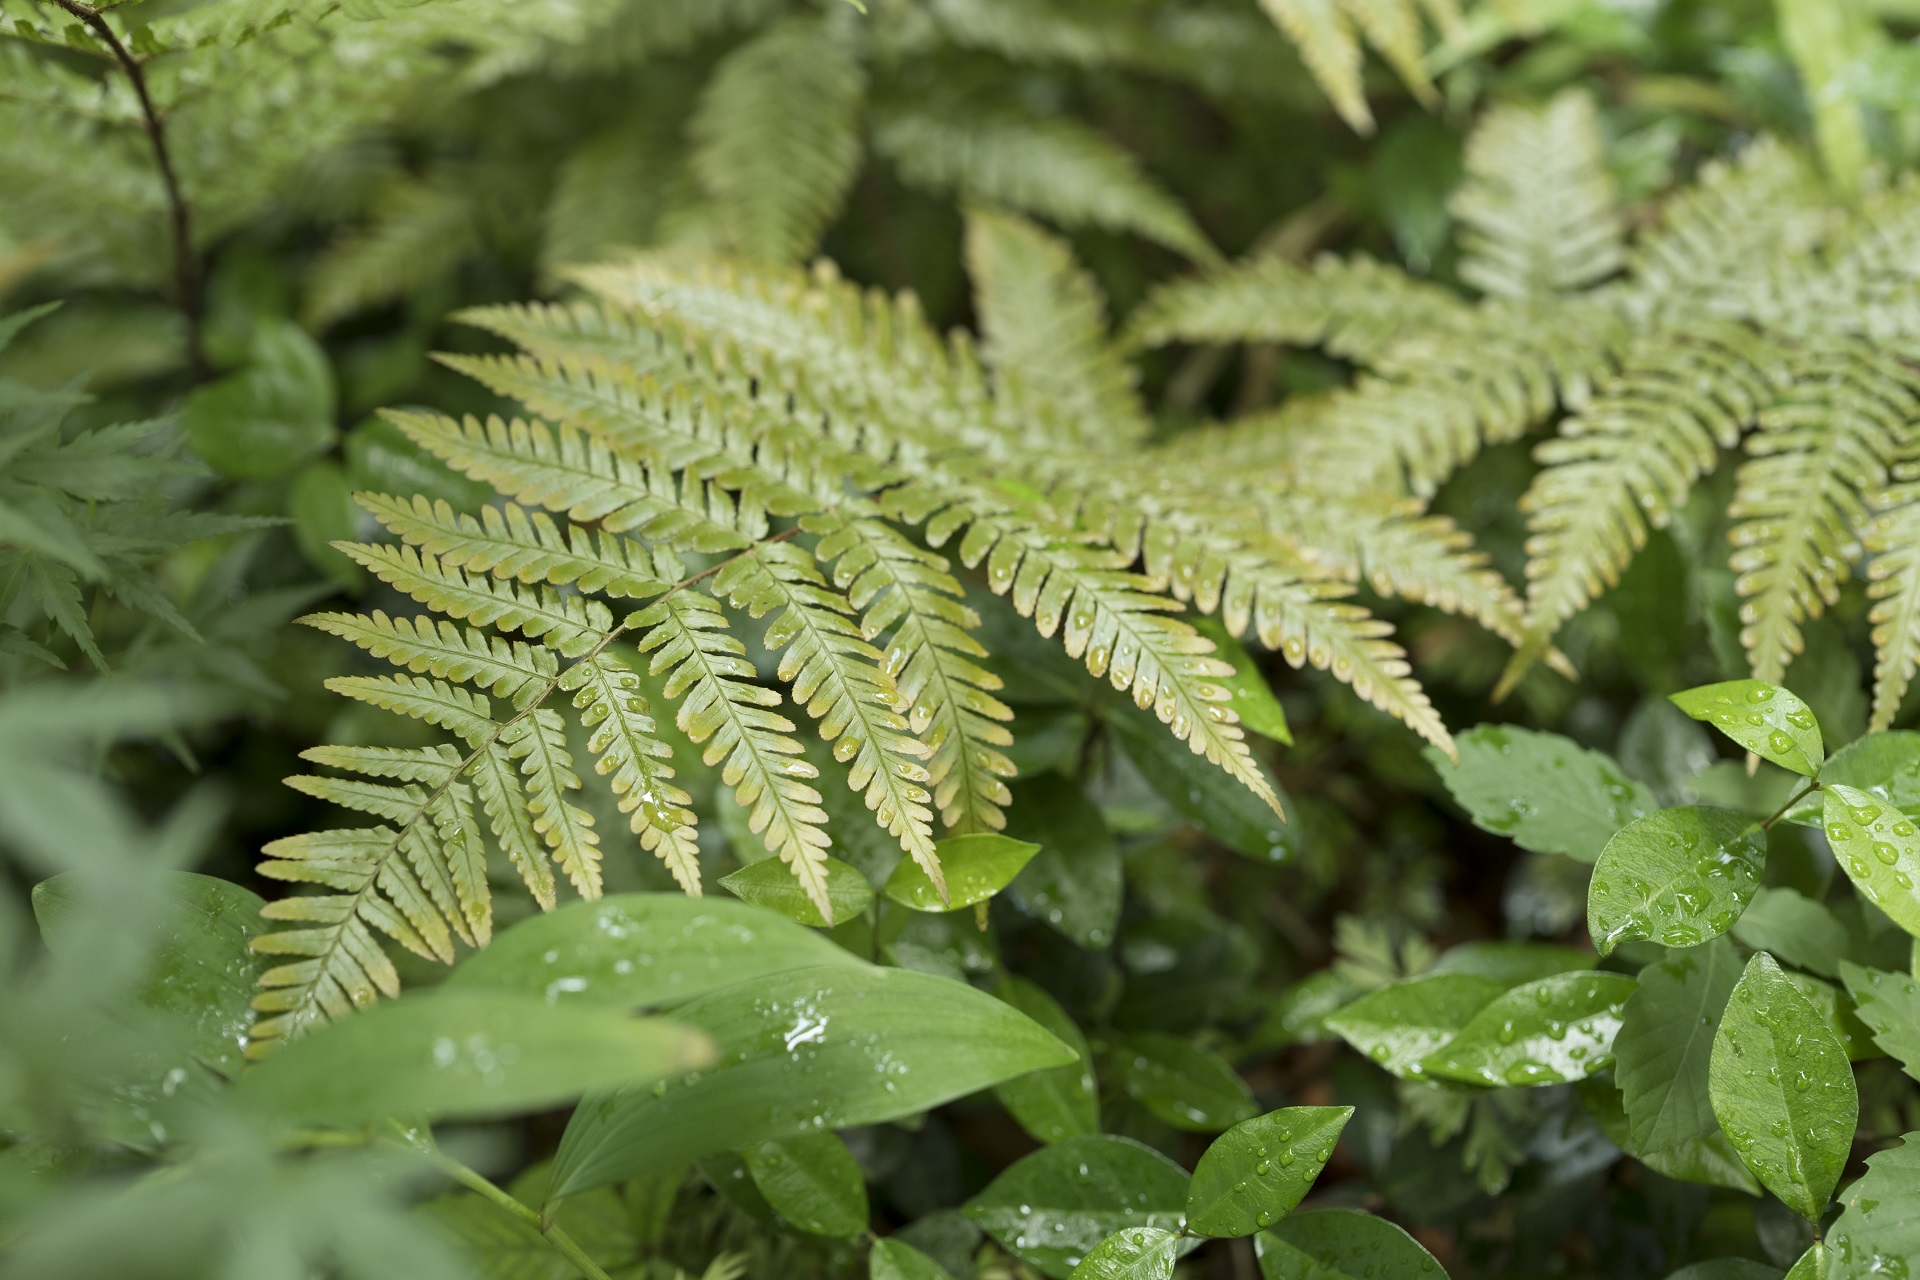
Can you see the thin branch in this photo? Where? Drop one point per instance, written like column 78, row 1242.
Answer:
column 186, row 262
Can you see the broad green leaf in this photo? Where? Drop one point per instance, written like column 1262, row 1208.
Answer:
column 768, row 883
column 1053, row 1207
column 270, row 417
column 1261, row 1168
column 1074, row 882
column 1547, row 793
column 1511, row 963
column 976, row 866
column 1202, row 792
column 1249, row 694
column 1884, row 765
column 1342, row 1244
column 1878, row 847
column 1661, row 1054
column 1836, row 1010
column 202, row 971
column 800, row 1051
column 1878, row 1231
column 1783, row 1089
column 1546, row 1032
column 502, row 1247
column 1399, row 1026
column 812, row 1181
column 635, row 950
column 1812, row 1265
column 1135, row 1253
column 463, row 1054
column 1060, row 1102
column 1795, row 928
column 894, row 1260
column 1181, row 1083
column 1889, row 1003
column 1764, row 718
column 1677, row 877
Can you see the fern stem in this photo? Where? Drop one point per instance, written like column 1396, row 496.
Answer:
column 186, row 263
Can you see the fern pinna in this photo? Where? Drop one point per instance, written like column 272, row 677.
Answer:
column 1756, row 311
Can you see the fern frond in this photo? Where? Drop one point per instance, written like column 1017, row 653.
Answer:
column 707, row 673
column 424, row 644
column 836, row 675
column 1052, row 168
column 776, row 137
column 431, row 765
column 421, row 229
column 574, row 625
column 1331, row 50
column 538, row 742
column 627, row 749
column 496, row 780
column 1893, row 584
column 1539, row 211
column 435, row 701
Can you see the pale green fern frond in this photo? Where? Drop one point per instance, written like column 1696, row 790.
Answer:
column 505, row 669
column 628, row 750
column 1330, row 47
column 1893, row 584
column 421, row 229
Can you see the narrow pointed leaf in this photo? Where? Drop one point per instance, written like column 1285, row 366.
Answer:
column 1546, row 1032
column 1060, row 1102
column 1764, row 718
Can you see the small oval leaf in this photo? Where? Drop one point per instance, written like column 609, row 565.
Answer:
column 1399, row 1026
column 895, row 1260
column 1053, row 1207
column 977, row 867
column 1342, row 1244
column 1261, row 1168
column 1181, row 1083
column 1547, row 1032
column 812, row 1181
column 1767, row 720
column 768, row 883
column 1878, row 846
column 1678, row 877
column 1546, row 793
column 1137, row 1253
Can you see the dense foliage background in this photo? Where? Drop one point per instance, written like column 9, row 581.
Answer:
column 340, row 184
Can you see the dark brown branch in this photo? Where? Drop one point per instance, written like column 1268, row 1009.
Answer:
column 186, row 262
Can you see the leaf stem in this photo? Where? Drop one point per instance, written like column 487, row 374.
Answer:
column 552, row 1232
column 1813, row 785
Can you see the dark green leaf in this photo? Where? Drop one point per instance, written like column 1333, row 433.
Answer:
column 1074, row 882
column 1764, row 718
column 1053, row 1207
column 202, row 972
column 768, row 883
column 1511, row 963
column 1181, row 1083
column 381, row 457
column 272, row 416
column 1546, row 792
column 1837, row 1011
column 1135, row 1253
column 1342, row 1244
column 1878, row 1231
column 1546, row 1032
column 1399, row 1026
column 812, row 1181
column 1811, row 1265
column 1060, row 1102
column 1260, row 1169
column 1889, row 1003
column 1783, row 1089
column 1794, row 928
column 1202, row 792
column 1677, row 877
column 323, row 513
column 634, row 950
column 465, row 1054
column 893, row 1260
column 976, row 866
column 1878, row 847
column 1298, row 1015
column 805, row 1050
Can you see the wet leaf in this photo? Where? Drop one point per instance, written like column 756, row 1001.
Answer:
column 635, row 950
column 465, row 1054
column 1727, row 1269
column 1261, row 1168
column 1203, row 793
column 1511, row 963
column 1677, row 877
column 976, row 866
column 1181, row 1083
column 1764, row 718
column 1053, row 1207
column 896, row 1260
column 1342, row 1244
column 1884, row 765
column 270, row 417
column 1794, row 928
column 1889, row 1004
column 1878, row 1231
column 1136, row 1253
column 1878, row 847
column 1399, row 1026
column 1060, row 1102
column 1545, row 792
column 1074, row 882
column 1783, row 1089
column 812, row 1181
column 803, row 1051
column 1837, row 1011
column 1546, row 1032
column 1250, row 696
column 768, row 883
column 1812, row 1265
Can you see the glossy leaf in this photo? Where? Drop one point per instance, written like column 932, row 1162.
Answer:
column 1677, row 877
column 1727, row 1269
column 1889, row 1003
column 1201, row 792
column 1878, row 847
column 1884, row 765
column 1837, row 1012
column 202, row 972
column 1878, row 1231
column 1261, row 1168
column 1181, row 1083
column 801, row 1051
column 1811, row 1265
column 1400, row 1025
column 463, row 1054
column 896, row 1260
column 768, row 883
column 1060, row 1102
column 1074, row 881
column 1661, row 1054
column 812, row 1181
column 635, row 950
column 1794, row 928
column 1767, row 720
column 1053, row 1207
column 1136, row 1253
column 1342, row 1244
column 1783, row 1089
column 976, row 866
column 1546, row 1032
column 1545, row 792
